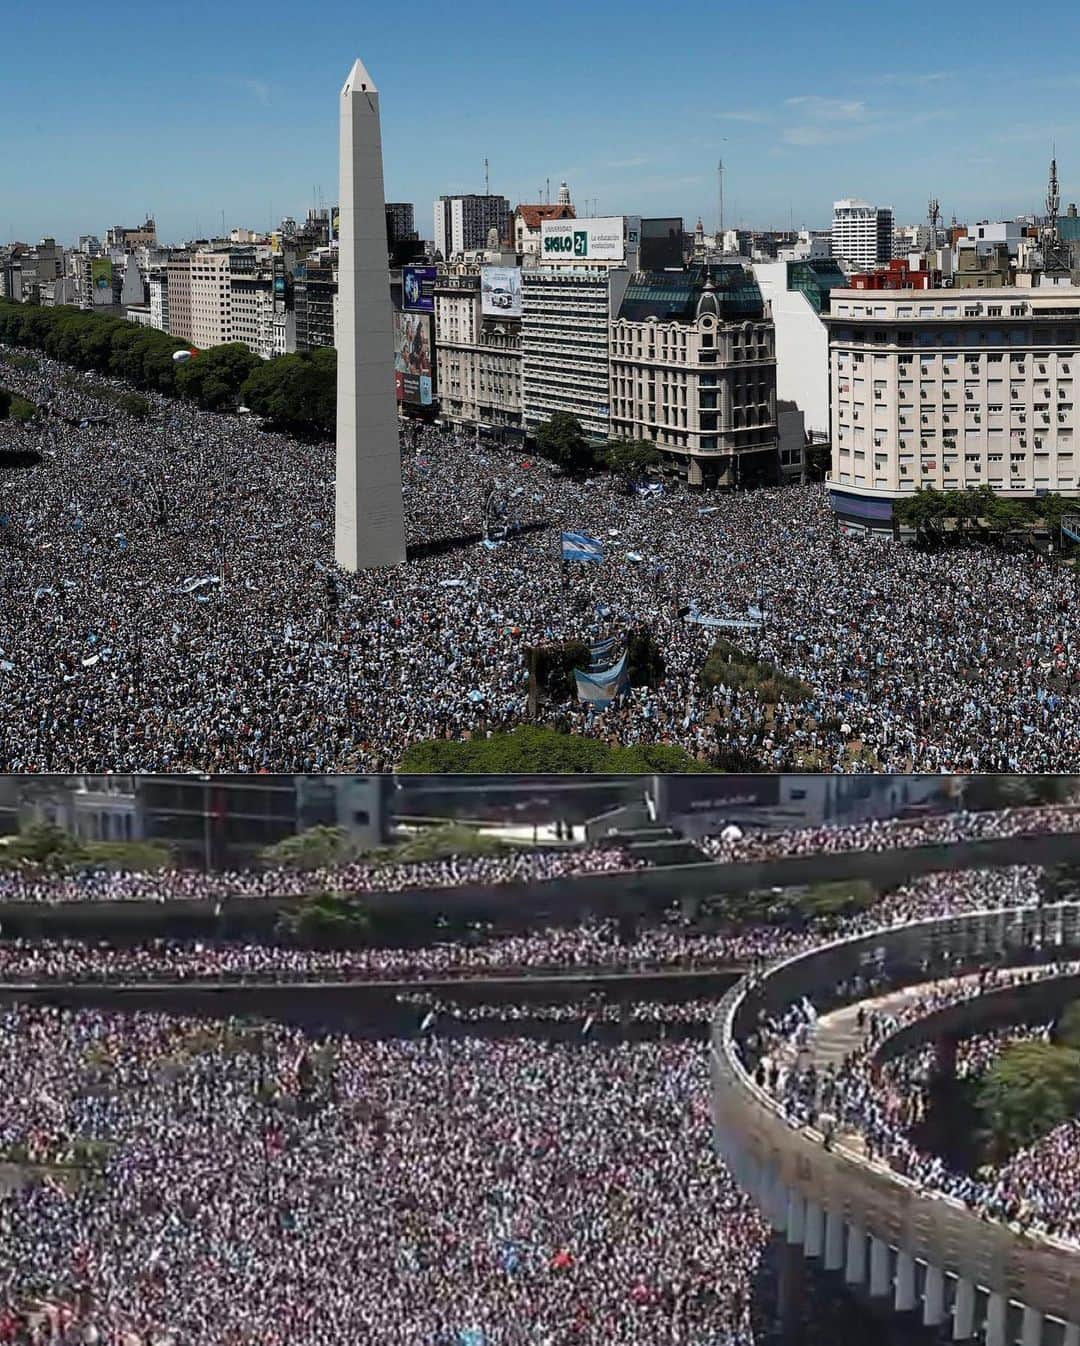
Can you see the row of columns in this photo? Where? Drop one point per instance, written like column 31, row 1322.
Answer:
column 843, row 1246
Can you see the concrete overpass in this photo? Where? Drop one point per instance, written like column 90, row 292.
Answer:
column 927, row 1255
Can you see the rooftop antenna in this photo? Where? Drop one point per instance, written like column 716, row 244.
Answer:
column 547, row 198
column 487, row 184
column 934, row 214
column 1053, row 201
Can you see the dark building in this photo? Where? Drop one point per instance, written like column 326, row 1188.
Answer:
column 217, row 821
column 314, row 288
column 400, row 222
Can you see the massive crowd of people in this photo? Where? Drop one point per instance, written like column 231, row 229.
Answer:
column 37, row 883
column 252, row 1186
column 888, row 834
column 881, row 1104
column 165, row 607
column 667, row 942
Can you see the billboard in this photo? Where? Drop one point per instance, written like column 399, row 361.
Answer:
column 661, row 244
column 418, row 288
column 412, row 358
column 601, row 240
column 687, row 796
column 500, row 291
column 101, row 279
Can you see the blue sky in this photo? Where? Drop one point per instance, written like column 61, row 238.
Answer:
column 191, row 109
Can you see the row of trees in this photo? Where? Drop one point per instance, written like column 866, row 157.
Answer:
column 535, row 748
column 296, row 392
column 51, row 847
column 562, row 441
column 928, row 510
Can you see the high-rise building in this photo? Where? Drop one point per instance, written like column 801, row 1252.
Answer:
column 951, row 390
column 314, row 293
column 400, row 222
column 462, row 223
column 120, row 236
column 862, row 234
column 178, row 281
column 693, row 371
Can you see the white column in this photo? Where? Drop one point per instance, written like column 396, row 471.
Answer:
column 834, row 1241
column 369, row 517
column 855, row 1266
column 796, row 1216
column 778, row 1205
column 814, row 1242
column 934, row 1297
column 997, row 1311
column 905, row 1299
column 879, row 1267
column 1031, row 1328
column 963, row 1327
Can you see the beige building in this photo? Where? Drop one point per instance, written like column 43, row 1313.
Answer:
column 178, row 281
column 478, row 357
column 693, row 371
column 950, row 390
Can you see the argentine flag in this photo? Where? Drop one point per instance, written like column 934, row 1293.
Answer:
column 581, row 547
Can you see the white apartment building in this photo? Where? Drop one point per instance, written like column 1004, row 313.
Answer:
column 951, row 389
column 462, row 223
column 159, row 300
column 798, row 296
column 565, row 317
column 862, row 234
column 478, row 358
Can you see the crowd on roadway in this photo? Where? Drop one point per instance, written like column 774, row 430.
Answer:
column 249, row 1185
column 587, row 1013
column 879, row 1104
column 888, row 834
column 667, row 942
column 31, row 883
column 165, row 606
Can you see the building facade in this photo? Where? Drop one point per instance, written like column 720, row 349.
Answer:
column 478, row 357
column 178, row 281
column 314, row 295
column 862, row 234
column 527, row 222
column 566, row 314
column 951, row 390
column 693, row 371
column 462, row 223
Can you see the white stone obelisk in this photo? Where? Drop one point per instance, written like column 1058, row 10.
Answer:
column 369, row 521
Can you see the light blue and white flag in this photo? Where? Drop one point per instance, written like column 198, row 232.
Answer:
column 581, row 547
column 603, row 686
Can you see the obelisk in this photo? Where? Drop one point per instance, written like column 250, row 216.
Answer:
column 369, row 521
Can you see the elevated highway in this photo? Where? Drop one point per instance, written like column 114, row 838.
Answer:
column 925, row 1253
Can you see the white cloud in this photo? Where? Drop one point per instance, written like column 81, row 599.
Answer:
column 828, row 109
column 752, row 118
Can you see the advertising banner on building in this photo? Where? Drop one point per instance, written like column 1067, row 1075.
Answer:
column 600, row 240
column 412, row 358
column 418, row 288
column 101, row 279
column 689, row 796
column 500, row 291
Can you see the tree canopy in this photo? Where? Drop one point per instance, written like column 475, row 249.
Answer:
column 562, row 441
column 1031, row 1088
column 631, row 458
column 535, row 748
column 296, row 392
column 215, row 379
column 316, row 847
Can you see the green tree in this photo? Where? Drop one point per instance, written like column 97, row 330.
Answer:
column 536, row 748
column 644, row 661
column 22, row 410
column 296, row 392
column 631, row 458
column 43, row 844
column 215, row 378
column 327, row 921
column 562, row 441
column 145, row 856
column 1000, row 792
column 437, row 843
column 134, row 405
column 317, row 847
column 1031, row 1088
column 553, row 668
